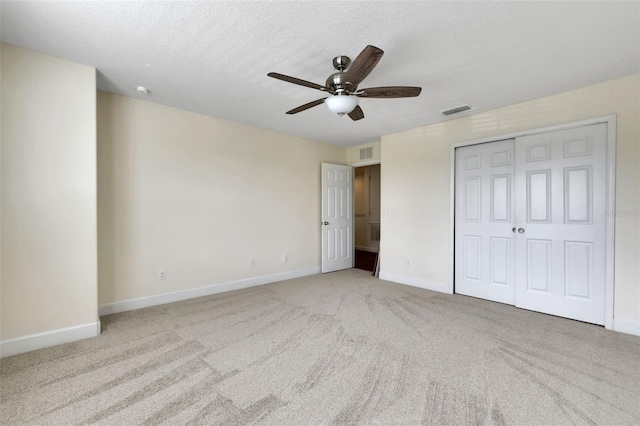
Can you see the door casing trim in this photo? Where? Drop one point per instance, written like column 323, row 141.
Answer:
column 610, row 121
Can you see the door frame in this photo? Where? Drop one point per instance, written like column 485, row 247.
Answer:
column 367, row 185
column 610, row 121
column 365, row 163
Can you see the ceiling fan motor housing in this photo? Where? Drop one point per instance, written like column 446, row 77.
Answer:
column 338, row 83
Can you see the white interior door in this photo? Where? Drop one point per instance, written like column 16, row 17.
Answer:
column 484, row 219
column 337, row 217
column 561, row 207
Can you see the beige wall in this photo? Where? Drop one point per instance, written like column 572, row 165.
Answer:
column 49, row 259
column 416, row 182
column 199, row 197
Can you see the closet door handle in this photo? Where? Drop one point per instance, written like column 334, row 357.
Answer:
column 521, row 230
column 513, row 229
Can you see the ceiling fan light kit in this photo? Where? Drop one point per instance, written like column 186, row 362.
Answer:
column 342, row 104
column 343, row 85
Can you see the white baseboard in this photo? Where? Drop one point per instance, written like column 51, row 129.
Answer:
column 369, row 249
column 626, row 326
column 49, row 338
column 622, row 326
column 176, row 296
column 414, row 282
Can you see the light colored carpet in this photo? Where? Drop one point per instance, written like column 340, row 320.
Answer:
column 340, row 348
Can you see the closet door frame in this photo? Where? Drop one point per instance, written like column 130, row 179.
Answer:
column 610, row 121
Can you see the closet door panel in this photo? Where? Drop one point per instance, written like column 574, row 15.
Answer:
column 560, row 215
column 484, row 241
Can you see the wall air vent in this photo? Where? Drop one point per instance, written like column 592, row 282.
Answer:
column 366, row 153
column 456, row 110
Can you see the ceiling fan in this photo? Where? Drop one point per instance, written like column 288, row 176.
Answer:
column 343, row 85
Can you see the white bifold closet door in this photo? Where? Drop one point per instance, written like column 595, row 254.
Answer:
column 561, row 207
column 551, row 254
column 485, row 210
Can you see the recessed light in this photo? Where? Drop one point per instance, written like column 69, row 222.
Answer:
column 142, row 90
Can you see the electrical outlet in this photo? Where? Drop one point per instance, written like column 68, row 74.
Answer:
column 253, row 262
column 285, row 258
column 162, row 274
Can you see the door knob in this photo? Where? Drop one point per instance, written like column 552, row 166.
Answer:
column 521, row 230
column 513, row 229
column 325, row 223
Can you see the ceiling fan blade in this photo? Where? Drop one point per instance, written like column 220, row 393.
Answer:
column 297, row 81
column 356, row 114
column 390, row 92
column 363, row 65
column 306, row 106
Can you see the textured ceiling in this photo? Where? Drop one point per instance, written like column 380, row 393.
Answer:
column 213, row 57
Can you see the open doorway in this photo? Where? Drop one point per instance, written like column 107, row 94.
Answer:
column 367, row 216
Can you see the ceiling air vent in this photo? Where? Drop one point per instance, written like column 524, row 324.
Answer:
column 366, row 153
column 456, row 110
